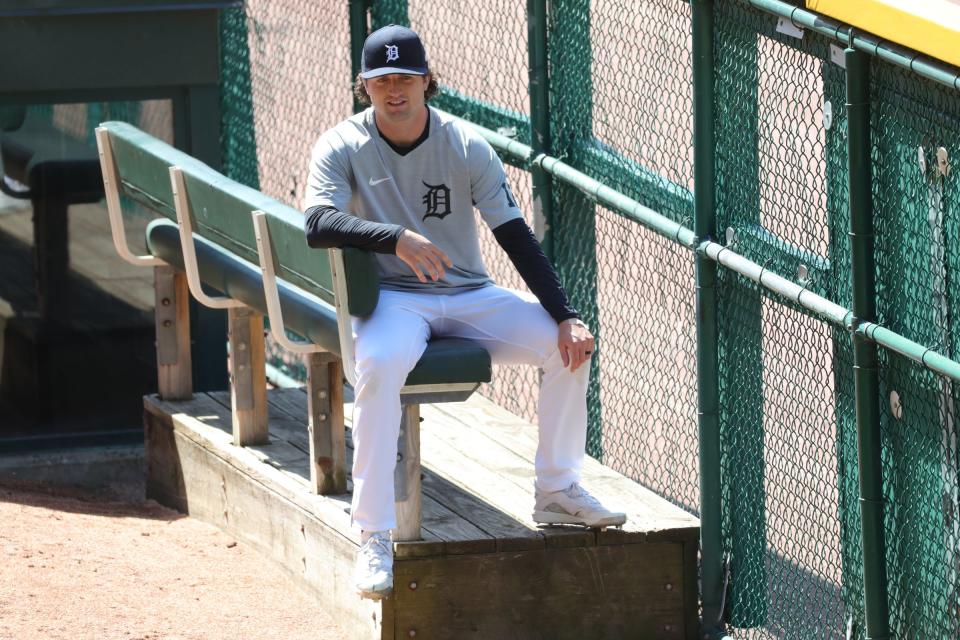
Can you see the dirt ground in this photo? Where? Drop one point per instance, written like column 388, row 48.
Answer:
column 80, row 565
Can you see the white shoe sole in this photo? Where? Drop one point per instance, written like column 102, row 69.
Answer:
column 552, row 517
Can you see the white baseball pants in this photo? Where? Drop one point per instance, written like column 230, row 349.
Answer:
column 513, row 327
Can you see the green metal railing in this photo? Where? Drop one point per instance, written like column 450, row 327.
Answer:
column 780, row 274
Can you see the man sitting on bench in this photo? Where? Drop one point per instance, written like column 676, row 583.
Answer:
column 410, row 178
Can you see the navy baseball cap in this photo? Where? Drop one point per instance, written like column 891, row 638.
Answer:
column 393, row 49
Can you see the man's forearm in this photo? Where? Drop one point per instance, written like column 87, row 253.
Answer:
column 516, row 238
column 328, row 227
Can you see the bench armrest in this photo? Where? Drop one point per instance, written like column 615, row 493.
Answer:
column 271, row 295
column 111, row 188
column 185, row 220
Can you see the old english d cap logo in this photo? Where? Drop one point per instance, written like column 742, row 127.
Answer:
column 393, row 49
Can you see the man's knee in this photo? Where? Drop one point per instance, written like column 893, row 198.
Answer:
column 383, row 368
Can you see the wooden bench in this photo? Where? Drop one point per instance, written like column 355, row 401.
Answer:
column 469, row 561
column 252, row 249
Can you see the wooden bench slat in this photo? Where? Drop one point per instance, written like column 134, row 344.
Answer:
column 500, row 427
column 207, row 421
column 482, row 518
column 444, row 529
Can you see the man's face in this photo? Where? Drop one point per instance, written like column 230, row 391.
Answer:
column 397, row 97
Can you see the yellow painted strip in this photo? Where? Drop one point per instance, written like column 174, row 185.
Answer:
column 931, row 27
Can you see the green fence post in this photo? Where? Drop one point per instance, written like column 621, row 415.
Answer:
column 740, row 315
column 384, row 12
column 837, row 289
column 540, row 119
column 238, row 142
column 866, row 378
column 574, row 239
column 708, row 389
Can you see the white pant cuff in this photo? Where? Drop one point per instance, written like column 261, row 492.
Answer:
column 368, row 526
column 555, row 484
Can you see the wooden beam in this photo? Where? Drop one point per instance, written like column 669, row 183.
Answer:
column 248, row 379
column 328, row 468
column 172, row 313
column 407, row 478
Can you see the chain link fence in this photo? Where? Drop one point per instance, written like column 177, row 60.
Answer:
column 621, row 103
column 916, row 128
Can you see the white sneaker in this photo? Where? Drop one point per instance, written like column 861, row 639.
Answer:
column 574, row 505
column 373, row 572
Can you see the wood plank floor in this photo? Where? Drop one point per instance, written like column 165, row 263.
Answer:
column 478, row 478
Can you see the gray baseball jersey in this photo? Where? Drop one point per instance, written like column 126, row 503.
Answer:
column 431, row 190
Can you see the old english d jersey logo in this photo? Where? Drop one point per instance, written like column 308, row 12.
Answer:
column 392, row 52
column 437, row 199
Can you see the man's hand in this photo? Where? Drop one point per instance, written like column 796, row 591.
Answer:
column 575, row 342
column 422, row 256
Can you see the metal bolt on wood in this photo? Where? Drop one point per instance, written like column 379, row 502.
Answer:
column 165, row 302
column 413, row 586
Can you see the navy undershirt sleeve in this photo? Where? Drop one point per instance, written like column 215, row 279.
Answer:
column 527, row 256
column 327, row 227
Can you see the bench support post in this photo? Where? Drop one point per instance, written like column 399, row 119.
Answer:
column 407, row 476
column 328, row 459
column 172, row 312
column 248, row 380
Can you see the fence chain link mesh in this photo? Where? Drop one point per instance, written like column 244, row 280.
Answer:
column 621, row 112
column 285, row 69
column 782, row 527
column 916, row 209
column 644, row 283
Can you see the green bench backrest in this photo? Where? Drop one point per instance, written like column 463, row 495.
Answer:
column 222, row 214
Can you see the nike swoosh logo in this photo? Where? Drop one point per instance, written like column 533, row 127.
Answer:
column 376, row 182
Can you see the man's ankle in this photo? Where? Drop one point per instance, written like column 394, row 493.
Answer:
column 365, row 535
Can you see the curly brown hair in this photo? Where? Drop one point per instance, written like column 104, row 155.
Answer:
column 360, row 92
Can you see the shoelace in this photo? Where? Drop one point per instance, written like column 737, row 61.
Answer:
column 575, row 491
column 377, row 548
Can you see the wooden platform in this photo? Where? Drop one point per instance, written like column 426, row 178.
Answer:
column 483, row 569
